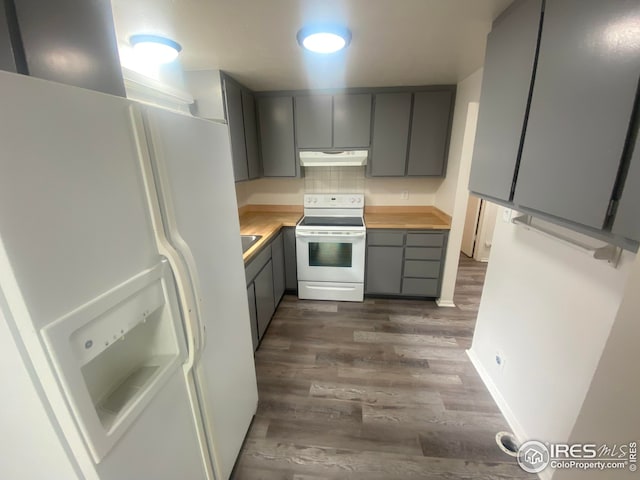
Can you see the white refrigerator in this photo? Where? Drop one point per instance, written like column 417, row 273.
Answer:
column 125, row 343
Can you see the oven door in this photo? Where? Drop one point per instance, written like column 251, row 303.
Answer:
column 330, row 256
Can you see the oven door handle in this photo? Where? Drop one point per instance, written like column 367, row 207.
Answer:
column 331, row 235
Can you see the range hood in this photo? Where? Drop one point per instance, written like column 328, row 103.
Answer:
column 347, row 158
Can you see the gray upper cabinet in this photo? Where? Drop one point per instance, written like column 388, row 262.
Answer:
column 352, row 120
column 313, row 121
column 627, row 222
column 235, row 119
column 333, row 121
column 251, row 134
column 275, row 117
column 72, row 42
column 390, row 134
column 243, row 129
column 507, row 78
column 584, row 90
column 7, row 59
column 430, row 125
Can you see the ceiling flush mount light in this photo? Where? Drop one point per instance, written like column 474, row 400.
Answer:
column 323, row 38
column 155, row 48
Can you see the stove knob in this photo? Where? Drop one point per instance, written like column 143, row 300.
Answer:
column 315, row 200
column 359, row 200
column 353, row 200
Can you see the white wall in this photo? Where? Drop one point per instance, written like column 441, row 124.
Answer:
column 449, row 192
column 549, row 309
column 610, row 413
column 453, row 194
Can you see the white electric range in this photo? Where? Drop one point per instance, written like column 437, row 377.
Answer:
column 330, row 246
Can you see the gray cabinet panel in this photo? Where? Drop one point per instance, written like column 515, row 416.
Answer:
column 313, row 121
column 233, row 97
column 627, row 222
column 255, row 265
column 384, row 270
column 429, row 133
column 251, row 134
column 385, row 238
column 264, row 297
column 390, row 134
column 580, row 111
column 253, row 315
column 277, row 259
column 275, row 117
column 351, row 120
column 425, row 239
column 7, row 60
column 418, row 253
column 290, row 264
column 424, row 287
column 81, row 35
column 508, row 69
column 421, row 268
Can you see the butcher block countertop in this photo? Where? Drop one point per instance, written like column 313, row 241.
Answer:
column 266, row 220
column 406, row 217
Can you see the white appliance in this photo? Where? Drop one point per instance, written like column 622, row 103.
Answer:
column 124, row 323
column 347, row 158
column 330, row 247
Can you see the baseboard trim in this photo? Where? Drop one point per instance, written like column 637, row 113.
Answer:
column 445, row 303
column 506, row 411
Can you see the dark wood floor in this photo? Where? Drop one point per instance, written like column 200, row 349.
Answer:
column 380, row 390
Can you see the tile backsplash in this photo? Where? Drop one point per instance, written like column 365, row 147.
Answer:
column 334, row 180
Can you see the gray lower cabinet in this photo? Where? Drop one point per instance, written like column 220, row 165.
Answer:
column 277, row 257
column 430, row 126
column 384, row 270
column 506, row 83
column 290, row 263
column 275, row 118
column 265, row 276
column 405, row 263
column 313, row 119
column 253, row 315
column 390, row 134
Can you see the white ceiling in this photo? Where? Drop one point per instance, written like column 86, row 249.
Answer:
column 395, row 42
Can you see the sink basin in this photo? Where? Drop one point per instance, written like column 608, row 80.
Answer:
column 248, row 241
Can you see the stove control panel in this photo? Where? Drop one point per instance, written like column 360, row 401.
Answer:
column 342, row 200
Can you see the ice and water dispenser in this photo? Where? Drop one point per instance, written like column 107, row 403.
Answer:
column 114, row 353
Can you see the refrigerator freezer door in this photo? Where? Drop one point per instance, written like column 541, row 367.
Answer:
column 74, row 224
column 192, row 164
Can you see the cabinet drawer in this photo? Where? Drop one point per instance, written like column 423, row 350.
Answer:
column 256, row 264
column 425, row 239
column 424, row 287
column 385, row 238
column 420, row 253
column 421, row 268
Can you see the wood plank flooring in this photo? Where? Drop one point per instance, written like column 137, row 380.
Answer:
column 380, row 390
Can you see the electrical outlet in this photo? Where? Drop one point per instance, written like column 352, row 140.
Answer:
column 405, row 194
column 500, row 360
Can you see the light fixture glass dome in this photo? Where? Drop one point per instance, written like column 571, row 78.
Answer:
column 155, row 49
column 323, row 38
